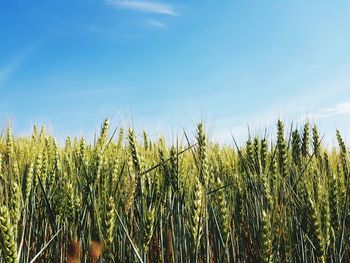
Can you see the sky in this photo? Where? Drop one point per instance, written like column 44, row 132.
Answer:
column 164, row 65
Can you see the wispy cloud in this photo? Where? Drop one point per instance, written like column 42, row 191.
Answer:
column 341, row 108
column 143, row 6
column 156, row 23
column 7, row 70
column 10, row 68
column 291, row 113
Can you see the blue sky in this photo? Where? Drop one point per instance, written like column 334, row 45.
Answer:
column 166, row 65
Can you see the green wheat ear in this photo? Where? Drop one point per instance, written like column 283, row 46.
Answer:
column 341, row 142
column 15, row 206
column 148, row 227
column 202, row 157
column 250, row 152
column 197, row 213
column 315, row 231
column 263, row 154
column 174, row 177
column 306, row 140
column 7, row 237
column 333, row 201
column 145, row 140
column 133, row 151
column 109, row 228
column 120, row 137
column 131, row 188
column 282, row 149
column 223, row 212
column 104, row 133
column 315, row 141
column 9, row 142
column 266, row 239
column 1, row 174
column 296, row 147
column 257, row 157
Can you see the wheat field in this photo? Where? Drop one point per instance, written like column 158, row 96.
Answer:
column 127, row 198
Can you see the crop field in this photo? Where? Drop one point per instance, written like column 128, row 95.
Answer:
column 127, row 198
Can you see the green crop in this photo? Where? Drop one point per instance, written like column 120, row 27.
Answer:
column 130, row 198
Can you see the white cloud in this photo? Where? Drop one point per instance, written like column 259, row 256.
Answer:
column 156, row 23
column 341, row 108
column 258, row 122
column 7, row 70
column 143, row 6
column 315, row 116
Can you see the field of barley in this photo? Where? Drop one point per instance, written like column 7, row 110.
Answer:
column 126, row 198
